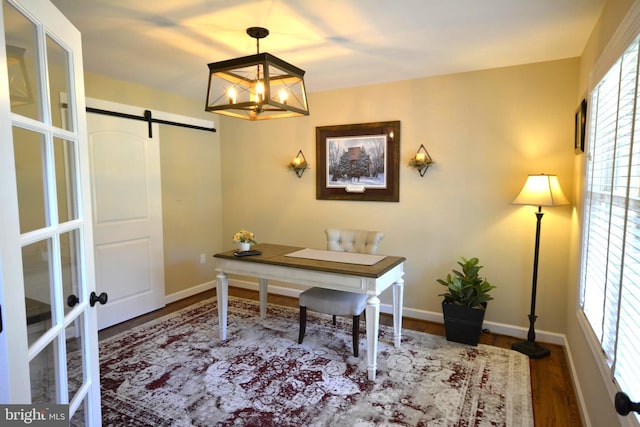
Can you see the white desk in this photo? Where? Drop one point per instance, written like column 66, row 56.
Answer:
column 273, row 264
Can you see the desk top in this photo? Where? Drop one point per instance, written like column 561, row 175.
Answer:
column 276, row 255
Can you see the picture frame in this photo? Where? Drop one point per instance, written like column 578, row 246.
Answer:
column 580, row 127
column 358, row 162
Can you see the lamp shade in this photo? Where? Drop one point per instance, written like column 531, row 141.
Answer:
column 541, row 190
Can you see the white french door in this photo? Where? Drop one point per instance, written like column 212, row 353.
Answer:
column 48, row 338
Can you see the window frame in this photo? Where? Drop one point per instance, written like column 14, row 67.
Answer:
column 627, row 33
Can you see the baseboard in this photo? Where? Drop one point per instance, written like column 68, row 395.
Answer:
column 495, row 327
column 577, row 389
column 177, row 296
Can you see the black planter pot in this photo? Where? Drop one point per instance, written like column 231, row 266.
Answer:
column 463, row 324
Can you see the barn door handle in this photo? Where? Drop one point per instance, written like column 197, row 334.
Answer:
column 102, row 298
column 624, row 405
column 72, row 300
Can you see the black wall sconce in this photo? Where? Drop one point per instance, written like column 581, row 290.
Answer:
column 299, row 164
column 421, row 161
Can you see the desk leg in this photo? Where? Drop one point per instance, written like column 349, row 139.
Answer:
column 222, row 295
column 263, row 297
column 398, row 294
column 373, row 324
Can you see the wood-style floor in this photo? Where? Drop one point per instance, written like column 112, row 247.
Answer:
column 554, row 400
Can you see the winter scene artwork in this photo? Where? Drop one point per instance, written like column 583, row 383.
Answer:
column 356, row 163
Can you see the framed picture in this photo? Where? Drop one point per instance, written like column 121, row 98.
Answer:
column 358, row 162
column 580, row 127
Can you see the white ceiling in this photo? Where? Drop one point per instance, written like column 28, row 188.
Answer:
column 339, row 43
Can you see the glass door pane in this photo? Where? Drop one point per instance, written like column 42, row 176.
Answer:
column 37, row 268
column 65, row 155
column 29, row 152
column 58, row 70
column 22, row 64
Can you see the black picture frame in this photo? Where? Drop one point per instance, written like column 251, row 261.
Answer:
column 580, row 127
column 358, row 162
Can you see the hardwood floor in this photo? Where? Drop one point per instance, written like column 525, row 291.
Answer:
column 554, row 400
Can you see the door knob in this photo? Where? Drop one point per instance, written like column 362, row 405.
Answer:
column 102, row 298
column 72, row 300
column 624, row 405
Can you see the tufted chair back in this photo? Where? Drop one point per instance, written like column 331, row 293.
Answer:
column 361, row 241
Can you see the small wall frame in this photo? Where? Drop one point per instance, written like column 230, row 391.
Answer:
column 580, row 127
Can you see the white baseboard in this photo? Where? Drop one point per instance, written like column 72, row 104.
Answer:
column 495, row 327
column 189, row 292
column 582, row 406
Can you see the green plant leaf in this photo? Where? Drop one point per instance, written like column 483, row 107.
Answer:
column 466, row 287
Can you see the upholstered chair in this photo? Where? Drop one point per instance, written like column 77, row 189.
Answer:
column 361, row 241
column 334, row 302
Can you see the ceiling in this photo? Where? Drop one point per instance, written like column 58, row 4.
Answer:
column 339, row 43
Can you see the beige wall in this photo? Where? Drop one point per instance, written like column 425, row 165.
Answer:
column 486, row 131
column 597, row 393
column 190, row 168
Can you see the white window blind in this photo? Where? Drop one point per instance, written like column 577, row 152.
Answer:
column 610, row 278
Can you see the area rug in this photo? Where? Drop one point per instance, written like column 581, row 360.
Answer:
column 175, row 371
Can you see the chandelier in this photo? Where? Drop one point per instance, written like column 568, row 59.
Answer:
column 256, row 87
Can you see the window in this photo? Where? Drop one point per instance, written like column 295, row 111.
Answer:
column 610, row 274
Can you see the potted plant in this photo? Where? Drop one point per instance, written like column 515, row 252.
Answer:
column 244, row 239
column 465, row 302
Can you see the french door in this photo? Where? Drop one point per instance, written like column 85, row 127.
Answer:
column 48, row 330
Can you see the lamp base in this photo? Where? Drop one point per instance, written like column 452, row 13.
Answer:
column 531, row 349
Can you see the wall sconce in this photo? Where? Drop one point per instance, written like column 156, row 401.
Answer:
column 19, row 87
column 299, row 164
column 421, row 161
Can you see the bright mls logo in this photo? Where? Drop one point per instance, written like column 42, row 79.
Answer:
column 49, row 415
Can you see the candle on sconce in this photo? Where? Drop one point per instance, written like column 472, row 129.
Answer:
column 421, row 157
column 297, row 161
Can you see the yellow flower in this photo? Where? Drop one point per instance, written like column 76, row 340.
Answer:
column 244, row 236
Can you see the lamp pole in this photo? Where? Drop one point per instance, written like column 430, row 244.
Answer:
column 530, row 347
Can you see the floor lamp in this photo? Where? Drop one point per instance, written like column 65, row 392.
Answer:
column 539, row 190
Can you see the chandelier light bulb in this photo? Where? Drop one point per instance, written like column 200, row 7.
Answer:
column 259, row 92
column 283, row 96
column 232, row 95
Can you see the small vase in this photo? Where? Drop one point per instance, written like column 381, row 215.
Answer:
column 244, row 246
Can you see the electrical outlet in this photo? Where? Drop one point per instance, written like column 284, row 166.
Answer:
column 203, row 258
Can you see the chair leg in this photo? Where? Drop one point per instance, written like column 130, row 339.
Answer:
column 303, row 323
column 356, row 335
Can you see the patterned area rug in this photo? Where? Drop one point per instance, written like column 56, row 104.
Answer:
column 175, row 371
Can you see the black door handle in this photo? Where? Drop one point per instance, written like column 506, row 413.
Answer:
column 624, row 405
column 72, row 300
column 102, row 298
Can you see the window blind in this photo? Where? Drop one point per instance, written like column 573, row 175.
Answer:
column 610, row 278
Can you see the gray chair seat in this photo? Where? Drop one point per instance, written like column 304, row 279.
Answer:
column 336, row 303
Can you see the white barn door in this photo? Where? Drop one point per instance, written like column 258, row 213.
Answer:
column 126, row 197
